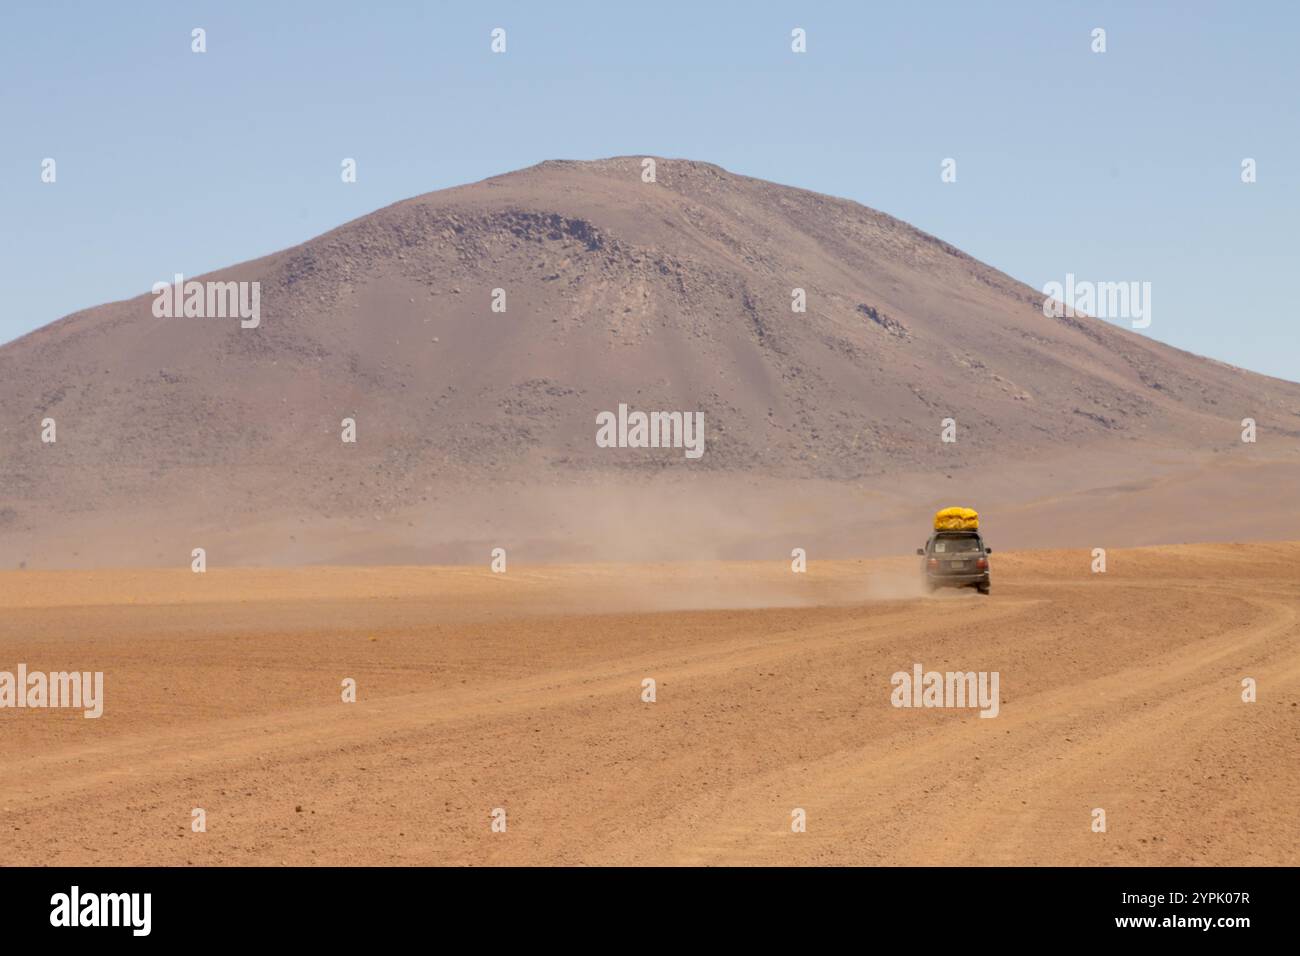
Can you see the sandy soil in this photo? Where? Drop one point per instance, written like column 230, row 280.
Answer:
column 1119, row 691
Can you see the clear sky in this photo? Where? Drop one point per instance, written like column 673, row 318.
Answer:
column 1123, row 165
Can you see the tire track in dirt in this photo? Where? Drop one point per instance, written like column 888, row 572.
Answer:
column 332, row 729
column 1028, row 782
column 1114, row 691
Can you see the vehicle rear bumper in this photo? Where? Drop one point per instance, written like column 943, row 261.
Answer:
column 958, row 579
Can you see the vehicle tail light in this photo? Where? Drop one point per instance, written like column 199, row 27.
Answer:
column 982, row 563
column 934, row 562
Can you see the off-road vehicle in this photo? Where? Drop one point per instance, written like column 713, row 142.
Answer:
column 955, row 559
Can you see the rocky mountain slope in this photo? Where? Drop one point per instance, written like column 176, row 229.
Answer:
column 673, row 295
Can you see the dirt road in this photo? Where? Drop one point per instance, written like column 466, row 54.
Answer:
column 523, row 691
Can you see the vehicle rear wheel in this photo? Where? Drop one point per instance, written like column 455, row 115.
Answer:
column 982, row 588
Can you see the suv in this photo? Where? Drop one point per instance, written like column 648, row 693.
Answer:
column 955, row 559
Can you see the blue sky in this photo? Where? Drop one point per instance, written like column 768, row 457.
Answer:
column 1116, row 166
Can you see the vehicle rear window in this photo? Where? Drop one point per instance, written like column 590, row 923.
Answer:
column 956, row 545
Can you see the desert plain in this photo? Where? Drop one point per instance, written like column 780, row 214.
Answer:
column 348, row 464
column 523, row 692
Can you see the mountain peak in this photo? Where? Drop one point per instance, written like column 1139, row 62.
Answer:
column 474, row 335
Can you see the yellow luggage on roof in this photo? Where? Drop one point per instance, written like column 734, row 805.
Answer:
column 957, row 519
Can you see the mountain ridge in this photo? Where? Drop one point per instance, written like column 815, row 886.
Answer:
column 672, row 295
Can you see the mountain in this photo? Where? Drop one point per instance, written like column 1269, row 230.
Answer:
column 477, row 428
